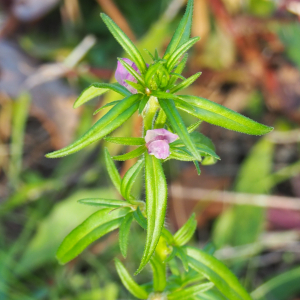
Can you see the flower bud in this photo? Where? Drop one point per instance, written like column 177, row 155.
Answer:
column 157, row 76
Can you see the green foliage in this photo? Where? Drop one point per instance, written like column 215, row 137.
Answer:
column 156, row 204
column 156, row 103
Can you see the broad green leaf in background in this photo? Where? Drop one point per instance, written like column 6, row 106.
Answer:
column 129, row 283
column 124, row 233
column 156, row 203
column 242, row 224
column 65, row 216
column 109, row 122
column 176, row 122
column 94, row 227
column 125, row 42
column 97, row 89
column 183, row 31
column 219, row 115
column 281, row 287
column 190, row 292
column 218, row 273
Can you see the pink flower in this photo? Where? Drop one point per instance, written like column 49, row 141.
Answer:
column 122, row 74
column 157, row 142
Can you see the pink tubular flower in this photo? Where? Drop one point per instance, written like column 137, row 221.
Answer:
column 122, row 74
column 157, row 142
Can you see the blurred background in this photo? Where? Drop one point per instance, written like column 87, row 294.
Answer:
column 247, row 205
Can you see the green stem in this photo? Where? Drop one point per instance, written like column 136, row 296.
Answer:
column 150, row 111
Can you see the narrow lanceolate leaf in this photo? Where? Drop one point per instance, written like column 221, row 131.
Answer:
column 183, row 31
column 177, row 123
column 105, row 106
column 135, row 289
column 185, row 83
column 143, row 104
column 132, row 71
column 217, row 273
column 174, row 57
column 132, row 141
column 194, row 126
column 97, row 89
column 132, row 154
column 159, row 274
column 219, row 115
column 112, row 171
column 183, row 257
column 94, row 227
column 104, row 202
column 156, row 202
column 183, row 235
column 190, row 292
column 124, row 233
column 178, row 70
column 125, row 42
column 109, row 122
column 129, row 179
column 196, row 163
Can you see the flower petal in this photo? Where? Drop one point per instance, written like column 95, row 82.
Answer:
column 160, row 149
column 122, row 74
column 160, row 134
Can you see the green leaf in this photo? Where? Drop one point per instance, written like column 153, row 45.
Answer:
column 281, row 287
column 112, row 171
column 185, row 83
column 183, row 31
column 143, row 104
column 136, row 86
column 194, row 126
column 124, row 233
column 159, row 274
column 156, row 203
column 106, row 105
column 217, row 273
column 125, row 42
column 177, row 123
column 196, row 163
column 135, row 289
column 132, row 71
column 178, row 70
column 97, row 89
column 172, row 60
column 128, row 141
column 94, row 227
column 139, row 217
column 219, row 115
column 109, row 122
column 129, row 179
column 132, row 154
column 183, row 257
column 184, row 234
column 190, row 292
column 104, row 202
